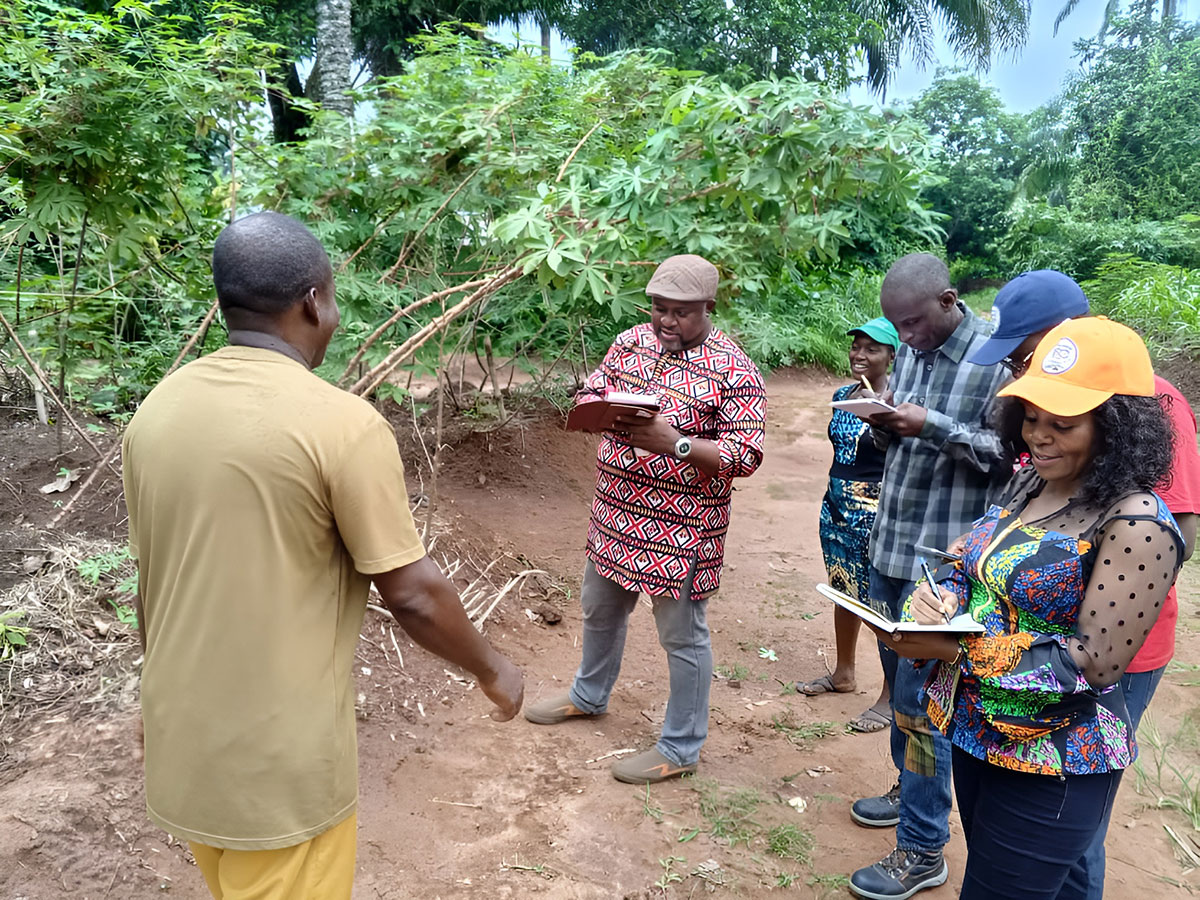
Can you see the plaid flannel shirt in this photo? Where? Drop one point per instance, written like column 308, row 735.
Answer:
column 936, row 484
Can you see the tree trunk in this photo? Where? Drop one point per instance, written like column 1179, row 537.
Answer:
column 544, row 23
column 1170, row 9
column 287, row 119
column 334, row 50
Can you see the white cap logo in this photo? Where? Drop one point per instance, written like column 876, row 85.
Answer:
column 1064, row 355
column 995, row 317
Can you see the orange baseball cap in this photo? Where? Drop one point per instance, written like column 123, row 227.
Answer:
column 1081, row 363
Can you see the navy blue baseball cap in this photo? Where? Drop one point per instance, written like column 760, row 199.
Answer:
column 1031, row 302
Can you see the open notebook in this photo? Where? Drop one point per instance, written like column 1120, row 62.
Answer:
column 960, row 624
column 863, row 406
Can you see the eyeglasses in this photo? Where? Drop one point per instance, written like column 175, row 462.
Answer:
column 1017, row 368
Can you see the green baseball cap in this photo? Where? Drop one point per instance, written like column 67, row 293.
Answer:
column 880, row 330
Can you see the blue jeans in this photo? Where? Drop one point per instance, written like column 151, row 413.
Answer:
column 1088, row 878
column 682, row 632
column 1025, row 832
column 920, row 752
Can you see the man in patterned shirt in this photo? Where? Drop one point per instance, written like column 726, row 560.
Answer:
column 661, row 507
column 942, row 459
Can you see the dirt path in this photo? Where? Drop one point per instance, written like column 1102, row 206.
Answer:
column 454, row 805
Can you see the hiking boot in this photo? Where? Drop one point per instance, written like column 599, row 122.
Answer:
column 900, row 874
column 554, row 710
column 650, row 767
column 878, row 812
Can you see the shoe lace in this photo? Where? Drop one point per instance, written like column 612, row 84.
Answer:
column 893, row 795
column 895, row 863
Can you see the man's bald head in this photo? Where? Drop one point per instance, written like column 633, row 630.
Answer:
column 917, row 298
column 266, row 262
column 919, row 273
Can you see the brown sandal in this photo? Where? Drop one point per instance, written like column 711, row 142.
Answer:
column 822, row 685
column 870, row 721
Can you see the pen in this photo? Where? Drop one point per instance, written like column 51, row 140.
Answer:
column 932, row 584
column 866, row 384
column 944, row 554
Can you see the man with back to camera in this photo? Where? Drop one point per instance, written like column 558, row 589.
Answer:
column 1024, row 311
column 942, row 460
column 262, row 504
column 661, row 508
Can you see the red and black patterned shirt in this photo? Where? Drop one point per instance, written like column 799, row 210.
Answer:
column 657, row 519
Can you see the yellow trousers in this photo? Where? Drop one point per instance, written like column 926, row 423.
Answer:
column 318, row 869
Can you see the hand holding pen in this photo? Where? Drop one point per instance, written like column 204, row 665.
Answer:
column 929, row 606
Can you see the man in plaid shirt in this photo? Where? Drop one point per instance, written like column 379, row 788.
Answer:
column 942, row 459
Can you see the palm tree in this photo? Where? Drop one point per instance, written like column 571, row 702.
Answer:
column 975, row 30
column 335, row 46
column 1170, row 9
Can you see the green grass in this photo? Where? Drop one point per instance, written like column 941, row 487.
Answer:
column 1160, row 302
column 831, row 884
column 802, row 733
column 736, row 672
column 791, row 842
column 729, row 814
column 1162, row 775
column 805, row 322
column 980, row 301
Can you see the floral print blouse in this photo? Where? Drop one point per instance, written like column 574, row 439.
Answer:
column 1066, row 602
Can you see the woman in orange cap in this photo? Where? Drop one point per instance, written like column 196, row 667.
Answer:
column 1067, row 575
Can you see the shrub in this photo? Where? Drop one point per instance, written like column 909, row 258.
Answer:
column 805, row 322
column 1161, row 302
column 1052, row 237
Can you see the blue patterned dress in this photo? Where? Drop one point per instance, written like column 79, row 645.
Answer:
column 848, row 508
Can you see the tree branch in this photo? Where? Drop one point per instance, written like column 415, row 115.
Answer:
column 376, row 376
column 401, row 313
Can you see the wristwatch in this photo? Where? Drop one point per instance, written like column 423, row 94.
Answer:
column 683, row 447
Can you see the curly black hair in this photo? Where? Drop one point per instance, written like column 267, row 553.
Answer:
column 1132, row 450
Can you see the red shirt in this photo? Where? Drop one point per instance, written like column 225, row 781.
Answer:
column 658, row 524
column 1181, row 493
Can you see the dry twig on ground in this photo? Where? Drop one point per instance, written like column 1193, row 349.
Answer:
column 79, row 658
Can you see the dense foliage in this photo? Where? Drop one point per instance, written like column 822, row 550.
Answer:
column 1102, row 183
column 133, row 130
column 127, row 153
column 980, row 156
column 1133, row 118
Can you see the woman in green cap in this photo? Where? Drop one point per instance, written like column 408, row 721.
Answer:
column 848, row 509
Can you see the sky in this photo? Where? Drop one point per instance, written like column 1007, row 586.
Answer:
column 1024, row 80
column 1035, row 73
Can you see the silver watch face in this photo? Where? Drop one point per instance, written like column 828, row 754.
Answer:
column 683, row 447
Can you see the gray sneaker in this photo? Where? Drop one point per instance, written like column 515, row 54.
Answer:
column 554, row 710
column 900, row 874
column 878, row 812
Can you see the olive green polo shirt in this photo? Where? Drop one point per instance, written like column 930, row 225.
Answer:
column 261, row 500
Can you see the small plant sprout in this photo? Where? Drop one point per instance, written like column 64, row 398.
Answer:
column 768, row 654
column 12, row 637
column 669, row 875
column 517, row 866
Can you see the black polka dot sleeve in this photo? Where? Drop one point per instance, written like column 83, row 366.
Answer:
column 1137, row 558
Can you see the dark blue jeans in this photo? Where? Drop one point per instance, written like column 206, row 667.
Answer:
column 920, row 752
column 1026, row 833
column 1088, row 878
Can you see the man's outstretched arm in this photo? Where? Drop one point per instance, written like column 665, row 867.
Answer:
column 428, row 608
